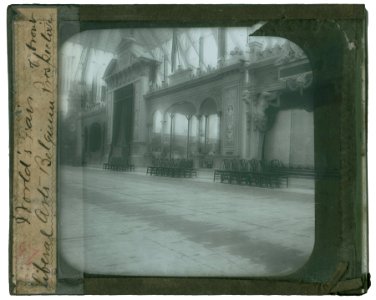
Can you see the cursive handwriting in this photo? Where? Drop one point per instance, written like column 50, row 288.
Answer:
column 42, row 271
column 22, row 210
column 36, row 160
column 40, row 54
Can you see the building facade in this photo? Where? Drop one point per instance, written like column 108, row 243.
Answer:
column 254, row 104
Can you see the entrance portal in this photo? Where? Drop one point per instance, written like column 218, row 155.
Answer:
column 122, row 136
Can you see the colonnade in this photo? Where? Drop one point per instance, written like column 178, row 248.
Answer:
column 202, row 135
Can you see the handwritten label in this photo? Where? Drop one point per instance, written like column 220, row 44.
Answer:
column 34, row 164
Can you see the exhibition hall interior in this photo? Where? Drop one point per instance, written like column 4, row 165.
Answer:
column 185, row 152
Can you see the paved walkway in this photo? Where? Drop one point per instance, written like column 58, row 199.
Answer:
column 135, row 224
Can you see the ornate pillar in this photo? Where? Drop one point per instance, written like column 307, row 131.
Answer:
column 206, row 133
column 230, row 109
column 172, row 117
column 163, row 132
column 199, row 132
column 255, row 136
column 246, row 75
column 245, row 114
column 219, row 148
column 188, row 132
column 259, row 122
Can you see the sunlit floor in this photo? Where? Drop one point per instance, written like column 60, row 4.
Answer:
column 136, row 224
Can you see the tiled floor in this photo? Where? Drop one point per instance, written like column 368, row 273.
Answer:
column 134, row 224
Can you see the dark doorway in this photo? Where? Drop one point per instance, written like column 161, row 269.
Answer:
column 95, row 137
column 123, row 123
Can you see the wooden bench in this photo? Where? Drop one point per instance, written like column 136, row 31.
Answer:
column 251, row 172
column 117, row 164
column 172, row 168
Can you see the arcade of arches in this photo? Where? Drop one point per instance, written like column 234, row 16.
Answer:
column 257, row 105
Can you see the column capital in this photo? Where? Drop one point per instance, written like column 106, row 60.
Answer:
column 246, row 96
column 260, row 116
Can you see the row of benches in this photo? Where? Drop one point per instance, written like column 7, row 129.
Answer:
column 252, row 172
column 117, row 164
column 172, row 168
column 267, row 173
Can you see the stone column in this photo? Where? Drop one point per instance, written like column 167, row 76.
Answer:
column 245, row 114
column 172, row 117
column 163, row 132
column 246, row 76
column 188, row 132
column 245, row 119
column 256, row 144
column 254, row 134
column 206, row 133
column 199, row 131
column 260, row 121
column 219, row 148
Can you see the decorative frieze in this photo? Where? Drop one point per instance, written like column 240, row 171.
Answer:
column 126, row 76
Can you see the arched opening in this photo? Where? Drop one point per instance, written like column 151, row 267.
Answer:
column 157, row 121
column 178, row 119
column 123, row 123
column 156, row 133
